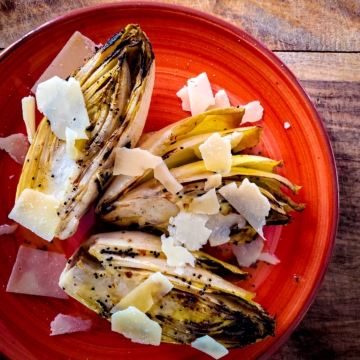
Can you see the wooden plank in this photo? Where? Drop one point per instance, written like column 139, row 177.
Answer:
column 304, row 25
column 330, row 328
column 323, row 66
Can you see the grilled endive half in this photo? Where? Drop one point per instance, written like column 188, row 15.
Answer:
column 143, row 202
column 117, row 84
column 108, row 266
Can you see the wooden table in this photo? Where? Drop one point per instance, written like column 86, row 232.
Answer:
column 320, row 41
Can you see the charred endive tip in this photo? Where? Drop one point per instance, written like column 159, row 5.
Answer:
column 117, row 85
column 108, row 266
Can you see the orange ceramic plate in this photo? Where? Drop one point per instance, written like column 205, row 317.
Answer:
column 186, row 43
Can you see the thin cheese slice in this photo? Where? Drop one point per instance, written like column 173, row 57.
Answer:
column 210, row 346
column 221, row 100
column 146, row 294
column 189, row 230
column 63, row 103
column 72, row 55
column 163, row 174
column 28, row 111
column 65, row 324
column 213, row 181
column 134, row 162
column 183, row 94
column 71, row 136
column 37, row 272
column 37, row 212
column 269, row 258
column 235, row 138
column 135, row 325
column 216, row 153
column 247, row 254
column 7, row 229
column 16, row 146
column 200, row 94
column 253, row 112
column 206, row 204
column 176, row 255
column 221, row 225
column 249, row 202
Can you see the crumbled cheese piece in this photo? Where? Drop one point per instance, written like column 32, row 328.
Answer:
column 269, row 258
column 205, row 204
column 247, row 254
column 37, row 212
column 220, row 226
column 235, row 138
column 163, row 174
column 190, row 230
column 200, row 94
column 286, row 125
column 216, row 153
column 37, row 272
column 63, row 103
column 221, row 100
column 253, row 112
column 135, row 325
column 249, row 202
column 65, row 324
column 176, row 255
column 183, row 94
column 213, row 181
column 210, row 346
column 70, row 57
column 28, row 111
column 134, row 162
column 146, row 294
column 7, row 229
column 71, row 136
column 16, row 146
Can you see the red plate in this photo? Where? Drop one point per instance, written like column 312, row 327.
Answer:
column 186, row 43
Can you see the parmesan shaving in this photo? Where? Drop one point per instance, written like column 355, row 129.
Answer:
column 189, row 230
column 269, row 258
column 28, row 111
column 183, row 94
column 220, row 226
column 200, row 94
column 37, row 212
column 7, row 229
column 16, row 146
column 70, row 57
column 249, row 202
column 135, row 325
column 146, row 294
column 253, row 112
column 210, row 346
column 247, row 254
column 216, row 153
column 70, row 143
column 163, row 174
column 176, row 255
column 63, row 103
column 134, row 162
column 37, row 272
column 212, row 182
column 205, row 204
column 65, row 324
column 221, row 100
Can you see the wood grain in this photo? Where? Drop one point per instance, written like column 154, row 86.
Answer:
column 318, row 66
column 301, row 25
column 330, row 328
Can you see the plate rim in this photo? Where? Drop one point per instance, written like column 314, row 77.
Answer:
column 214, row 20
